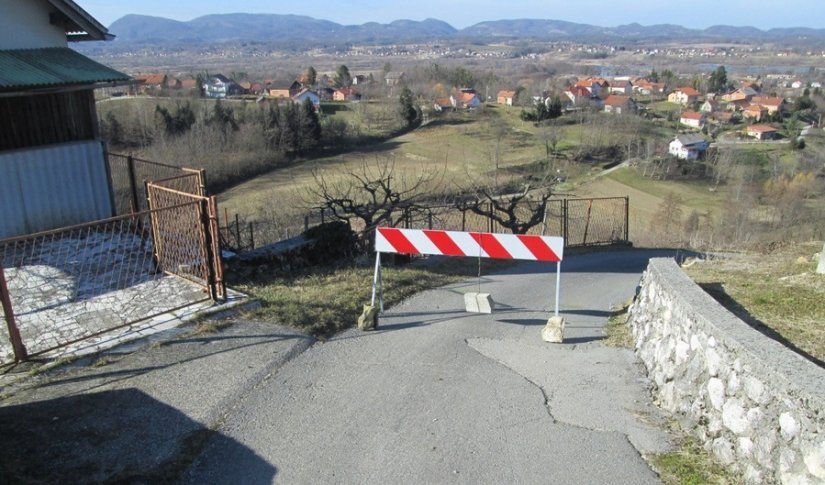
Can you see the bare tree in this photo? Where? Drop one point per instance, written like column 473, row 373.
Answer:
column 518, row 212
column 370, row 196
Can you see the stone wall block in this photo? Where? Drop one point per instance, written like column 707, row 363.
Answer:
column 814, row 457
column 734, row 383
column 734, row 418
column 682, row 352
column 765, row 446
column 713, row 362
column 788, row 426
column 753, row 476
column 744, row 449
column 754, row 389
column 716, row 393
column 723, row 450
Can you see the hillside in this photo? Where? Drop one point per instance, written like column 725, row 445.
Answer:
column 274, row 28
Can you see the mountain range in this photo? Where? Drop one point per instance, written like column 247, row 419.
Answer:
column 292, row 29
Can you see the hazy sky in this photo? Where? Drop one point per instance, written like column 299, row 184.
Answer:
column 763, row 14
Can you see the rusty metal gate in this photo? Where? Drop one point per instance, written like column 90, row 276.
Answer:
column 186, row 235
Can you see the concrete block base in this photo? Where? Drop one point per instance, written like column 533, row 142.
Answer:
column 369, row 318
column 478, row 303
column 554, row 330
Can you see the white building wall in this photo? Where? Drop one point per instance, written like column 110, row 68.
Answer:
column 24, row 24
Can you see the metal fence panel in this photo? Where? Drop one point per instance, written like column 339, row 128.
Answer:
column 87, row 281
column 595, row 221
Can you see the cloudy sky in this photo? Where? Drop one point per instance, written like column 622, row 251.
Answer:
column 763, row 14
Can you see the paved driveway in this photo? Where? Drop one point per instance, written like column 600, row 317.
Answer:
column 440, row 396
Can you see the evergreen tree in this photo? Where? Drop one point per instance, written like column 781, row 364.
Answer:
column 718, row 82
column 312, row 76
column 343, row 79
column 554, row 108
column 407, row 109
column 310, row 127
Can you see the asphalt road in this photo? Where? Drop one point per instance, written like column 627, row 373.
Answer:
column 437, row 395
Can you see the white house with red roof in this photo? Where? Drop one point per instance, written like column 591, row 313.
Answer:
column 692, row 119
column 685, row 95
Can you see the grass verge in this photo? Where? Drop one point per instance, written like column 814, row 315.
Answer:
column 616, row 331
column 326, row 300
column 690, row 464
column 777, row 291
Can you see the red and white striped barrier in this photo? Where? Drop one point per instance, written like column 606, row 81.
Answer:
column 470, row 244
column 467, row 244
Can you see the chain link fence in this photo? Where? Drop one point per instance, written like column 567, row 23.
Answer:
column 129, row 176
column 77, row 287
column 581, row 222
column 79, row 283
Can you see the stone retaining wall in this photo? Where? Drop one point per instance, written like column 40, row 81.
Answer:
column 758, row 407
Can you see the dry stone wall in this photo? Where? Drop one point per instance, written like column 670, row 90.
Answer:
column 758, row 407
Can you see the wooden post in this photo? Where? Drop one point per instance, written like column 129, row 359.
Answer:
column 627, row 219
column 587, row 222
column 20, row 353
column 238, row 232
column 564, row 222
column 251, row 236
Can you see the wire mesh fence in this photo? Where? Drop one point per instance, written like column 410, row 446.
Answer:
column 87, row 281
column 129, row 176
column 581, row 222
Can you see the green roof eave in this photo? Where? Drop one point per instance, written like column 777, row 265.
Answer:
column 53, row 67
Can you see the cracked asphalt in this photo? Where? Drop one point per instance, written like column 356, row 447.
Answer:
column 436, row 395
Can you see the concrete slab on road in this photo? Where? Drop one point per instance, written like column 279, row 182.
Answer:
column 437, row 395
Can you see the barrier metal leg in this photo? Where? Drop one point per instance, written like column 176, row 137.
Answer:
column 558, row 283
column 377, row 283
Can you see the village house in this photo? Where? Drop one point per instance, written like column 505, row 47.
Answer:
column 151, row 83
column 648, row 88
column 394, row 78
column 721, row 117
column 51, row 154
column 443, row 104
column 285, row 92
column 744, row 93
column 619, row 104
column 622, row 87
column 346, row 94
column 688, row 147
column 465, row 100
column 595, row 85
column 578, row 95
column 506, row 98
column 772, row 103
column 189, row 84
column 305, row 94
column 220, row 86
column 755, row 112
column 710, row 106
column 762, row 132
column 692, row 119
column 684, row 96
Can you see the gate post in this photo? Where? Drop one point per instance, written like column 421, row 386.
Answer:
column 130, row 169
column 209, row 221
column 20, row 353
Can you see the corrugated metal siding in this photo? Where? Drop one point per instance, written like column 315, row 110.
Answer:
column 51, row 187
column 53, row 66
